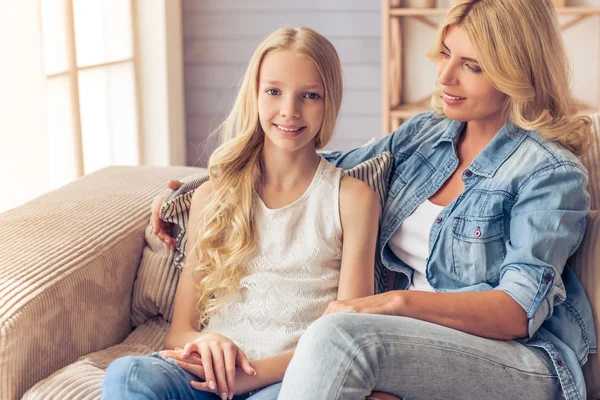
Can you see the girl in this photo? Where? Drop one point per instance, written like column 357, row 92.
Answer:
column 266, row 257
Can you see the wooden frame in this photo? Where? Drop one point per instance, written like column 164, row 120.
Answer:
column 72, row 74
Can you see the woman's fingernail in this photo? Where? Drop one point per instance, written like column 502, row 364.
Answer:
column 211, row 385
column 224, row 396
column 254, row 372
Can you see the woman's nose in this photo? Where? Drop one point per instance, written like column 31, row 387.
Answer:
column 448, row 75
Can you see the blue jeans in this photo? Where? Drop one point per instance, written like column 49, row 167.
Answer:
column 153, row 378
column 348, row 355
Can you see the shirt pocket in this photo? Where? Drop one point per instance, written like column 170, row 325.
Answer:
column 478, row 248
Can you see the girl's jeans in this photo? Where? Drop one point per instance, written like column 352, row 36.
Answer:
column 153, row 378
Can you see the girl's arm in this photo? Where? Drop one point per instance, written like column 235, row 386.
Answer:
column 359, row 214
column 183, row 327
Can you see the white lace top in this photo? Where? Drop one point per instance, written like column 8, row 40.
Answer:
column 295, row 274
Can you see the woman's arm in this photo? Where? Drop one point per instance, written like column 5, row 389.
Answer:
column 394, row 142
column 547, row 224
column 492, row 314
column 359, row 214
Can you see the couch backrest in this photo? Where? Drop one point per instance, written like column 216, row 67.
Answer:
column 586, row 261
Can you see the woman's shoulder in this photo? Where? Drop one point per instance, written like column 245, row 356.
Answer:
column 421, row 127
column 549, row 153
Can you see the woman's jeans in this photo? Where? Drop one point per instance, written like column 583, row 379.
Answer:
column 348, row 355
column 154, row 378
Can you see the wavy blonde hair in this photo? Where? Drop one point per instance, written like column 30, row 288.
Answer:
column 520, row 48
column 226, row 237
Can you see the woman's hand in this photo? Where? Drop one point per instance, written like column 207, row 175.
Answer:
column 161, row 228
column 213, row 358
column 377, row 304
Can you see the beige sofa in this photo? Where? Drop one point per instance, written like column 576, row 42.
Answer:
column 69, row 263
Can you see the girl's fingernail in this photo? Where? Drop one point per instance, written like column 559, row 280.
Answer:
column 211, row 385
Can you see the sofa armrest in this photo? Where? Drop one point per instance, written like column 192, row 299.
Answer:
column 68, row 261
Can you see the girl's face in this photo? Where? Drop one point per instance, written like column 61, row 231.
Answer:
column 290, row 100
column 468, row 92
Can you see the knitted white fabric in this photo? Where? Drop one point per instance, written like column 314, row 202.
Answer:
column 294, row 275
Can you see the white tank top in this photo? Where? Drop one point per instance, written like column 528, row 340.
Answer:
column 294, row 275
column 410, row 243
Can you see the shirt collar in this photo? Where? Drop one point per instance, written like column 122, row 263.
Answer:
column 495, row 153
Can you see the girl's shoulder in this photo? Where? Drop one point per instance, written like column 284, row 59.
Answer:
column 201, row 194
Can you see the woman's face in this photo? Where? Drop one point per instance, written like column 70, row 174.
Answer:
column 468, row 92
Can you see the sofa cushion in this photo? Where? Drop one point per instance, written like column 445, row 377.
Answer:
column 154, row 290
column 586, row 261
column 82, row 379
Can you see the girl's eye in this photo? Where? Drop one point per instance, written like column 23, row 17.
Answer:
column 446, row 55
column 475, row 70
column 273, row 92
column 312, row 96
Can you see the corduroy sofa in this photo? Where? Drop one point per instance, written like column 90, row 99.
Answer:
column 70, row 288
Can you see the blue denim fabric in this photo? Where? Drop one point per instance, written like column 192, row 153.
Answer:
column 519, row 218
column 154, row 377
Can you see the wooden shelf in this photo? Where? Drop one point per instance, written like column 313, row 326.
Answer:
column 432, row 12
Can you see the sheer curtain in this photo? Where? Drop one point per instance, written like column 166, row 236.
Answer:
column 70, row 93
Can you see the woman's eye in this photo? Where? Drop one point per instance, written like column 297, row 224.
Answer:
column 312, row 96
column 476, row 70
column 273, row 92
column 444, row 54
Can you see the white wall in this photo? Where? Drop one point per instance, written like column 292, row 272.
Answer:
column 220, row 35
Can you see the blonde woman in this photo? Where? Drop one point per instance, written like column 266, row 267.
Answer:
column 266, row 255
column 487, row 201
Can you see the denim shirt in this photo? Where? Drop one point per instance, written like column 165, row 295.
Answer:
column 520, row 216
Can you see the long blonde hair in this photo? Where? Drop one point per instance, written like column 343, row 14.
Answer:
column 226, row 237
column 520, row 48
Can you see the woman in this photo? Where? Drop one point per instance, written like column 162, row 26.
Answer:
column 486, row 203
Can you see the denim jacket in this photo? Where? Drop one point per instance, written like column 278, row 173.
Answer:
column 520, row 216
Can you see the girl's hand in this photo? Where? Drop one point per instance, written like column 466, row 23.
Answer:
column 161, row 228
column 215, row 360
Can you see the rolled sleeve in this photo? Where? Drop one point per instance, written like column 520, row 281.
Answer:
column 547, row 224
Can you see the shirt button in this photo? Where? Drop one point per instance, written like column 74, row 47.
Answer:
column 560, row 362
column 477, row 233
column 548, row 278
column 468, row 173
column 438, row 220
